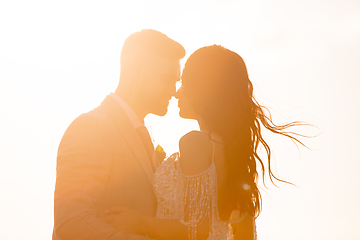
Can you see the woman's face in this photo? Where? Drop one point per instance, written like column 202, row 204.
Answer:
column 185, row 104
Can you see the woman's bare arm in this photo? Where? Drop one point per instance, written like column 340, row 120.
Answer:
column 244, row 230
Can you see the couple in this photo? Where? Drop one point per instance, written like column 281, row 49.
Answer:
column 109, row 182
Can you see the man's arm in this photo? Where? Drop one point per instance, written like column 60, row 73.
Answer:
column 84, row 160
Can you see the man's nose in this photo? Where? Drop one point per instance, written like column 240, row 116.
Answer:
column 178, row 93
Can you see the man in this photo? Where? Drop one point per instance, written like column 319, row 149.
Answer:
column 106, row 157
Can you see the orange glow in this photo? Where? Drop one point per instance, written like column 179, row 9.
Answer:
column 58, row 60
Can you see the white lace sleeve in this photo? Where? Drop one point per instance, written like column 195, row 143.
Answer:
column 190, row 199
column 168, row 189
column 199, row 191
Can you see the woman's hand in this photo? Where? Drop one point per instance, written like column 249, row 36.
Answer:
column 126, row 219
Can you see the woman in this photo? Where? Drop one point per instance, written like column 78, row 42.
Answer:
column 209, row 189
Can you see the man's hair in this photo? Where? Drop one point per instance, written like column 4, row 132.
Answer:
column 149, row 42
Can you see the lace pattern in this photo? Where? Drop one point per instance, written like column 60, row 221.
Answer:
column 189, row 199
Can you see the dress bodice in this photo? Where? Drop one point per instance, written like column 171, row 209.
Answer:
column 189, row 199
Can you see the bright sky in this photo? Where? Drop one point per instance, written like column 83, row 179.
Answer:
column 59, row 59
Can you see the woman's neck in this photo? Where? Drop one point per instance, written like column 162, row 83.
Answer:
column 213, row 135
column 203, row 126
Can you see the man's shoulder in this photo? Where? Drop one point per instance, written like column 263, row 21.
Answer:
column 91, row 121
column 94, row 116
column 88, row 128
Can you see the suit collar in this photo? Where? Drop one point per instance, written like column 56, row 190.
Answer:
column 128, row 110
column 127, row 130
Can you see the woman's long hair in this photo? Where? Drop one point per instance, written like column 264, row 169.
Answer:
column 217, row 82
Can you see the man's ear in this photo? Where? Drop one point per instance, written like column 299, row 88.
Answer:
column 137, row 68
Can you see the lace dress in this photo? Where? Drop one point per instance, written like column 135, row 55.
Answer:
column 190, row 199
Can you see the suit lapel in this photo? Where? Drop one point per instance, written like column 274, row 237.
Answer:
column 123, row 123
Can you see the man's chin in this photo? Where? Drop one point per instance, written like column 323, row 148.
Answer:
column 160, row 112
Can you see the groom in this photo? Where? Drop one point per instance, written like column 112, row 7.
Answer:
column 106, row 157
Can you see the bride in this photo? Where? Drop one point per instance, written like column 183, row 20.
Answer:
column 209, row 189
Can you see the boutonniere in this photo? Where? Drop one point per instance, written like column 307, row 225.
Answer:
column 160, row 153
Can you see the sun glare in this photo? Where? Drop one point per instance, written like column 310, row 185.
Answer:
column 59, row 59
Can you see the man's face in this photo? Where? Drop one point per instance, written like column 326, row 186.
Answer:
column 159, row 84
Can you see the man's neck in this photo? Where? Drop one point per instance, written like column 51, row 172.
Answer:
column 133, row 102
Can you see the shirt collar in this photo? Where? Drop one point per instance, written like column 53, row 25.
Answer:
column 128, row 110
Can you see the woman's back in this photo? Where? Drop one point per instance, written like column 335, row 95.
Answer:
column 198, row 149
column 197, row 152
column 186, row 186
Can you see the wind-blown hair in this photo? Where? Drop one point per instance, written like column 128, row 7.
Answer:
column 217, row 82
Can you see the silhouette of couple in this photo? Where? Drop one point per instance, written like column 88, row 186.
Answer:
column 110, row 183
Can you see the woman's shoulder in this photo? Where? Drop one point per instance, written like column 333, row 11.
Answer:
column 195, row 135
column 196, row 150
column 195, row 141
